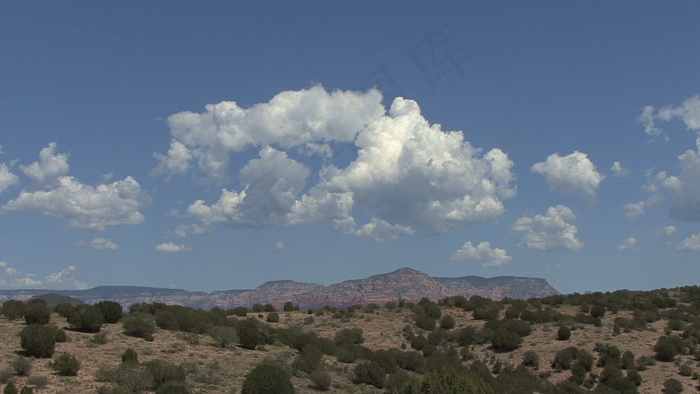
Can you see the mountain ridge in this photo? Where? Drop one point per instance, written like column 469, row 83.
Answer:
column 405, row 284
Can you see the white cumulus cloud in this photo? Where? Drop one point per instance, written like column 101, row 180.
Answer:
column 279, row 247
column 170, row 247
column 688, row 112
column 7, row 178
column 619, row 171
column 103, row 244
column 83, row 206
column 691, row 243
column 489, row 257
column 628, row 244
column 65, row 279
column 407, row 173
column 549, row 232
column 49, row 168
column 681, row 190
column 571, row 173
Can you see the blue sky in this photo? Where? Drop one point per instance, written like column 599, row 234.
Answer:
column 221, row 145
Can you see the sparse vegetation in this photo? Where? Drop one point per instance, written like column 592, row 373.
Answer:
column 369, row 349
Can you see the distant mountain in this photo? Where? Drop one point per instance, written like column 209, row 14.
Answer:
column 404, row 284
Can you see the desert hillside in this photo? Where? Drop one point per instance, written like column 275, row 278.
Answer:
column 624, row 341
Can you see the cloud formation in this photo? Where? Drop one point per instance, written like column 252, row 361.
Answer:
column 619, row 171
column 628, row 244
column 83, row 206
column 571, row 173
column 688, row 112
column 13, row 278
column 482, row 253
column 65, row 279
column 170, row 247
column 691, row 243
column 549, row 232
column 407, row 173
column 103, row 244
column 7, row 178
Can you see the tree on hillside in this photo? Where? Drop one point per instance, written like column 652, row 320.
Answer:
column 13, row 309
column 111, row 311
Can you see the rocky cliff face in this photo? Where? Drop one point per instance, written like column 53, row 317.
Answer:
column 404, row 284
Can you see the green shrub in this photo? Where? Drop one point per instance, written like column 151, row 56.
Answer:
column 468, row 336
column 173, row 388
column 111, row 311
column 10, row 388
column 563, row 359
column 60, row 334
column 5, row 375
column 370, row 373
column 274, row 317
column 308, row 359
column 505, row 340
column 597, row 311
column 250, row 334
column 349, row 336
column 130, row 356
column 224, row 336
column 37, row 313
column 288, row 306
column 418, row 342
column 447, row 322
column 424, row 322
column 38, row 341
column 454, row 381
column 685, row 370
column 139, row 325
column 673, row 386
column 531, row 359
column 21, row 365
column 268, row 379
column 38, row 381
column 163, row 372
column 133, row 379
column 86, row 318
column 320, row 380
column 26, row 390
column 627, row 360
column 411, row 361
column 13, row 309
column 564, row 333
column 64, row 309
column 66, row 365
column 668, row 347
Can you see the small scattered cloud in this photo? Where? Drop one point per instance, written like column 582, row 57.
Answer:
column 170, row 247
column 549, row 232
column 691, row 243
column 618, row 171
column 571, row 173
column 279, row 247
column 12, row 278
column 103, row 244
column 376, row 230
column 628, row 244
column 688, row 112
column 669, row 231
column 66, row 279
column 489, row 257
